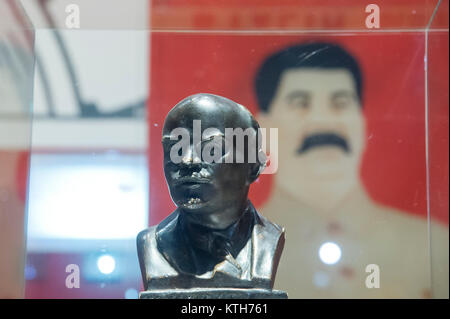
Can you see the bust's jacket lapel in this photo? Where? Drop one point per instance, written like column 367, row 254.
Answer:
column 267, row 245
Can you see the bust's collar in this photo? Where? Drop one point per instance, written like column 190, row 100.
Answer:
column 195, row 249
column 213, row 240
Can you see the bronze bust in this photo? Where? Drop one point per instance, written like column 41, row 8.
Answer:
column 215, row 240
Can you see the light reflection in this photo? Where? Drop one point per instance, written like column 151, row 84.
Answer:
column 330, row 253
column 131, row 293
column 78, row 196
column 30, row 272
column 106, row 264
column 321, row 279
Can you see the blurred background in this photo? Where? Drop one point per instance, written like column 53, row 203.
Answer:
column 87, row 187
column 82, row 111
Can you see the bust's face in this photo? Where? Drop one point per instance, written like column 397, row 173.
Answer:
column 198, row 185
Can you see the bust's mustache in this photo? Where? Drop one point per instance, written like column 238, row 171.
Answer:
column 323, row 139
column 187, row 176
column 191, row 179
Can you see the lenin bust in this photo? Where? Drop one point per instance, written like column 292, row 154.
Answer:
column 215, row 244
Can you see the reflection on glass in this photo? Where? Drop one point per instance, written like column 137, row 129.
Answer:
column 321, row 279
column 131, row 293
column 86, row 197
column 16, row 74
column 106, row 264
column 330, row 253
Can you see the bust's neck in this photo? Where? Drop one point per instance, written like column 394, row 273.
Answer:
column 206, row 238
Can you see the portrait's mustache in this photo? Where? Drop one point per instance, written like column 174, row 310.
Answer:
column 323, row 139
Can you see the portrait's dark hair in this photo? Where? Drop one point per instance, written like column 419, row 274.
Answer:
column 319, row 55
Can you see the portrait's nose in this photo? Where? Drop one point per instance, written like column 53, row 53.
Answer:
column 319, row 108
column 320, row 114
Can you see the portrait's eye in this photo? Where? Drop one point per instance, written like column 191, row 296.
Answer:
column 342, row 101
column 301, row 101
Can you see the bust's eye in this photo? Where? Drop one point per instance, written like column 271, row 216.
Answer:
column 168, row 144
column 215, row 146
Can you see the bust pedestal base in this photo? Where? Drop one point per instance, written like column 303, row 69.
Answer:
column 213, row 293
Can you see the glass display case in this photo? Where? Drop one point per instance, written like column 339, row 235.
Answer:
column 16, row 96
column 354, row 95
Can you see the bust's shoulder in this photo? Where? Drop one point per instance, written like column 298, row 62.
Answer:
column 146, row 235
column 273, row 235
column 150, row 233
column 266, row 226
column 268, row 241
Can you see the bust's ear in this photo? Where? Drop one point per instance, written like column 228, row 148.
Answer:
column 257, row 168
column 264, row 121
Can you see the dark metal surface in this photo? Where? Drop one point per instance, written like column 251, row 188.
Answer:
column 213, row 293
column 215, row 238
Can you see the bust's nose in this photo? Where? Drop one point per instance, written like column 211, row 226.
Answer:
column 191, row 156
column 190, row 162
